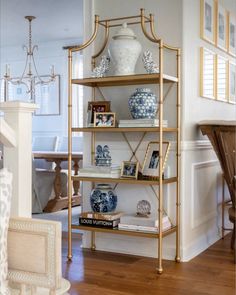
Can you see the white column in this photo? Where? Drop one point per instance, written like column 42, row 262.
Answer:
column 18, row 159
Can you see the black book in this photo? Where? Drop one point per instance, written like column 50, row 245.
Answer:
column 99, row 223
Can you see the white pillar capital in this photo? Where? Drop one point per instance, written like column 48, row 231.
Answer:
column 17, row 106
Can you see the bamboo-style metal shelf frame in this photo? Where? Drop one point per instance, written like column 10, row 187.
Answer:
column 125, row 232
column 123, row 129
column 124, row 180
column 140, row 79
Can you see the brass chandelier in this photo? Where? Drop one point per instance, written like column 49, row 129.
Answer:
column 30, row 77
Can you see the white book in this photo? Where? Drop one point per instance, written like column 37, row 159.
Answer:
column 151, row 220
column 99, row 175
column 143, row 228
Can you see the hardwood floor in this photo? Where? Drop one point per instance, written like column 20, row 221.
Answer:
column 93, row 273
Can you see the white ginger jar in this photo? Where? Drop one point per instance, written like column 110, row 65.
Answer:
column 124, row 51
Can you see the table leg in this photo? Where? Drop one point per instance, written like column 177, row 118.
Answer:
column 57, row 181
column 76, row 184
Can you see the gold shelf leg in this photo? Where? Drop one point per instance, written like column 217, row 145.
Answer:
column 93, row 244
column 177, row 258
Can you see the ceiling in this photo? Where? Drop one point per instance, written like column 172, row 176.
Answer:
column 55, row 20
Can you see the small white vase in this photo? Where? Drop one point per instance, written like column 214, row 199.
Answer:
column 124, row 51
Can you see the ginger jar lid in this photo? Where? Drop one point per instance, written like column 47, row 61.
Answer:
column 124, row 32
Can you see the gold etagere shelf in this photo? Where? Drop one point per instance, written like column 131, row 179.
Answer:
column 158, row 79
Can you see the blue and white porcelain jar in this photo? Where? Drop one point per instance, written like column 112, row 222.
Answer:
column 103, row 199
column 143, row 104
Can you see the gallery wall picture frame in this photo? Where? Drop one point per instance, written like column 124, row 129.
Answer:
column 207, row 73
column 151, row 160
column 47, row 97
column 15, row 91
column 232, row 82
column 222, row 92
column 96, row 106
column 232, row 34
column 221, row 27
column 208, row 20
column 129, row 169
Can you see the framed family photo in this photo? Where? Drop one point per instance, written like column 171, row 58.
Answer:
column 152, row 157
column 98, row 107
column 222, row 27
column 104, row 119
column 207, row 21
column 232, row 35
column 232, row 82
column 129, row 169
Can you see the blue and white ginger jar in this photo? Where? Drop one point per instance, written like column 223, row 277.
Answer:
column 103, row 199
column 143, row 104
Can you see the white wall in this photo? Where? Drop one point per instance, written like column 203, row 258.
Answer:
column 50, row 53
column 177, row 22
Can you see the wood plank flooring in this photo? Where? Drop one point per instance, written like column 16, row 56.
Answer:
column 100, row 273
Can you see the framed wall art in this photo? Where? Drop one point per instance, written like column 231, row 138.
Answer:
column 151, row 161
column 232, row 35
column 47, row 97
column 222, row 79
column 207, row 73
column 208, row 20
column 221, row 27
column 14, row 91
column 232, row 82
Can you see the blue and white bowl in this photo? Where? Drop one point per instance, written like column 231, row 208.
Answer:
column 103, row 199
column 143, row 104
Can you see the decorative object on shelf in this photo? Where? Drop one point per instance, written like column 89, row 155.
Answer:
column 102, row 68
column 143, row 104
column 102, row 157
column 103, row 198
column 124, row 51
column 28, row 79
column 143, row 208
column 151, row 161
column 149, row 65
column 99, row 107
column 104, row 119
column 129, row 169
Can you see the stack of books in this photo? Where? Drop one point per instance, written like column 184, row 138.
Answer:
column 104, row 220
column 145, row 224
column 112, row 171
column 142, row 123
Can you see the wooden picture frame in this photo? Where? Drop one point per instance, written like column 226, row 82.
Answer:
column 232, row 35
column 129, row 169
column 232, row 82
column 47, row 97
column 221, row 27
column 208, row 20
column 207, row 73
column 99, row 107
column 222, row 93
column 151, row 160
column 104, row 119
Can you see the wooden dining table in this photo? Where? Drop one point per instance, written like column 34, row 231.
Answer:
column 59, row 202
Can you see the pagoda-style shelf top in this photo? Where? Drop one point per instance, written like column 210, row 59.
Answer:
column 124, row 180
column 124, row 80
column 123, row 129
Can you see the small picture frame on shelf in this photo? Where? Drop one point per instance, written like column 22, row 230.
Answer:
column 104, row 119
column 232, row 82
column 99, row 107
column 129, row 169
column 208, row 23
column 151, row 160
column 221, row 27
column 232, row 35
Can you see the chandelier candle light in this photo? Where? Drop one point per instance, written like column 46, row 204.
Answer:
column 28, row 78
